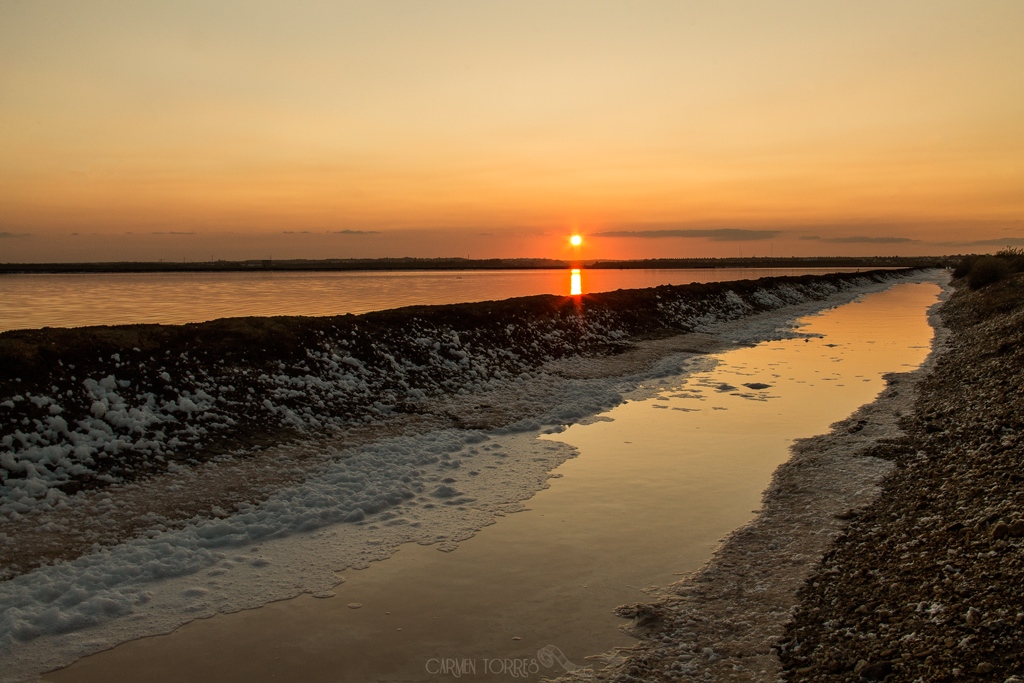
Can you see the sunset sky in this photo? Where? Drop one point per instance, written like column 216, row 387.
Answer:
column 247, row 129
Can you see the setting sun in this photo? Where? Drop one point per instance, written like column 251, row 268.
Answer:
column 576, row 240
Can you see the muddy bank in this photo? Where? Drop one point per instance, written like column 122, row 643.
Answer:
column 726, row 620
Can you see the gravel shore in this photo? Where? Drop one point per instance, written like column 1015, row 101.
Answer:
column 891, row 549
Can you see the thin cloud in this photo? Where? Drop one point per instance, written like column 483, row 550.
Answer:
column 293, row 232
column 808, row 237
column 15, row 234
column 997, row 242
column 864, row 239
column 716, row 235
column 172, row 232
column 356, row 232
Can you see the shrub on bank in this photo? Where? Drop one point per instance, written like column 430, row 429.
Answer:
column 987, row 270
column 984, row 270
column 963, row 268
column 1013, row 256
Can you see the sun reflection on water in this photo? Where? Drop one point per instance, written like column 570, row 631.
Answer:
column 575, row 284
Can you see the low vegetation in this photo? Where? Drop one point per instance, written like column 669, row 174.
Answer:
column 981, row 270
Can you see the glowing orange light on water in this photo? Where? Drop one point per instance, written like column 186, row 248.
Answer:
column 576, row 240
column 575, row 285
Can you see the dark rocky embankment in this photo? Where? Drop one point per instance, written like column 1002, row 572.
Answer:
column 928, row 583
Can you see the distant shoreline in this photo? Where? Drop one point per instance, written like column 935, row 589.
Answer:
column 405, row 264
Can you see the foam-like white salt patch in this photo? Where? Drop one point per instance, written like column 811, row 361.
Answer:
column 433, row 488
column 56, row 614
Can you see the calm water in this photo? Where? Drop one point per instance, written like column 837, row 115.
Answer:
column 75, row 300
column 648, row 497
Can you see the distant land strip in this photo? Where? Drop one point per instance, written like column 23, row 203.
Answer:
column 471, row 264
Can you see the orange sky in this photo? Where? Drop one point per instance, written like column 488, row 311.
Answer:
column 378, row 128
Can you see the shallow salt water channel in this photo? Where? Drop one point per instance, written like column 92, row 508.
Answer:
column 657, row 481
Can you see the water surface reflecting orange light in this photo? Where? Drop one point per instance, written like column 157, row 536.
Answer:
column 575, row 284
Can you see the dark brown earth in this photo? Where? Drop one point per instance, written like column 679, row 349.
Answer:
column 928, row 584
